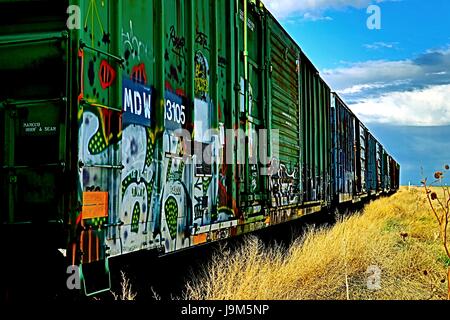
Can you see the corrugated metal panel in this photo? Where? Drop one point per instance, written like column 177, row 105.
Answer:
column 285, row 116
column 285, row 99
column 315, row 108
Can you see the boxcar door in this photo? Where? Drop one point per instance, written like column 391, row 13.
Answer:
column 33, row 118
column 252, row 184
column 32, row 123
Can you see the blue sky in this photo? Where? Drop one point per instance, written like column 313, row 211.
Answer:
column 397, row 79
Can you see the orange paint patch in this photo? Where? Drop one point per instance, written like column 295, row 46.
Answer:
column 201, row 238
column 95, row 205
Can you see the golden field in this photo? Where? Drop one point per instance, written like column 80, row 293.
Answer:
column 392, row 250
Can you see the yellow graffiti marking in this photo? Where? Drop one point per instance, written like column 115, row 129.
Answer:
column 200, row 81
column 93, row 10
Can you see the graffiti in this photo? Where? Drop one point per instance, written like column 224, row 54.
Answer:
column 138, row 74
column 128, row 181
column 175, row 62
column 99, row 134
column 98, row 143
column 138, row 174
column 93, row 16
column 149, row 155
column 219, row 235
column 201, row 207
column 106, row 74
column 201, row 80
column 284, row 186
column 103, row 128
column 136, row 217
column 132, row 45
column 177, row 204
column 254, row 175
column 202, row 40
column 177, row 43
column 171, row 211
column 137, row 182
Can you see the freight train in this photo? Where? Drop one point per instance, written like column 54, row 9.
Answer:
column 165, row 125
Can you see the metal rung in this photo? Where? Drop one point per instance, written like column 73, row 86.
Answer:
column 50, row 165
column 101, row 166
column 30, row 102
column 27, row 223
column 29, row 38
column 112, row 56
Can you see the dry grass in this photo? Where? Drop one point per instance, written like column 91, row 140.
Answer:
column 127, row 293
column 398, row 235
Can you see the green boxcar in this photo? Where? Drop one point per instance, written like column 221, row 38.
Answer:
column 285, row 117
column 316, row 103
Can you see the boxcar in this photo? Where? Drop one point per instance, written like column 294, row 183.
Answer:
column 343, row 151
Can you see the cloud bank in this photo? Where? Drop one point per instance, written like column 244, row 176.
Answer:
column 407, row 92
column 422, row 107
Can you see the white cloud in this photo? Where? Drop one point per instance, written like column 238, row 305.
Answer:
column 308, row 16
column 381, row 45
column 442, row 73
column 422, row 107
column 285, row 8
column 370, row 72
column 361, row 87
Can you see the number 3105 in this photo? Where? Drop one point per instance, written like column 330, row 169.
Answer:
column 175, row 112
